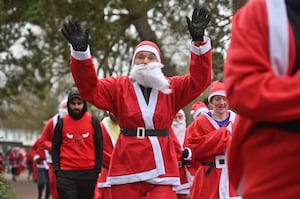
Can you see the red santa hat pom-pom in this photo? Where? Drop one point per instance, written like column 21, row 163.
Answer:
column 217, row 88
column 62, row 103
column 148, row 46
column 198, row 108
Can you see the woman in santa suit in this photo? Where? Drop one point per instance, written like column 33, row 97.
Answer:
column 262, row 84
column 208, row 138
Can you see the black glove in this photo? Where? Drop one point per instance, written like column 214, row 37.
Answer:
column 74, row 34
column 200, row 19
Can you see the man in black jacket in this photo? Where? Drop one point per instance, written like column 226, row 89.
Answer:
column 77, row 148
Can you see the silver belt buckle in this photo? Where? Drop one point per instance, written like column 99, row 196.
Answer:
column 140, row 132
column 220, row 161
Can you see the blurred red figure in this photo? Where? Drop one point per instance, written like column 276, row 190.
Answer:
column 15, row 160
column 29, row 164
column 2, row 160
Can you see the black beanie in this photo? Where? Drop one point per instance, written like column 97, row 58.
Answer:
column 75, row 94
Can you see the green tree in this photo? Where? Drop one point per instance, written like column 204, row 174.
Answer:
column 34, row 56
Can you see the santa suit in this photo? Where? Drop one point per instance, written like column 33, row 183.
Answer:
column 109, row 142
column 15, row 161
column 264, row 152
column 42, row 168
column 45, row 145
column 152, row 159
column 2, row 162
column 208, row 143
column 184, row 163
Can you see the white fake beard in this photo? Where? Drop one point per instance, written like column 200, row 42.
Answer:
column 179, row 129
column 150, row 76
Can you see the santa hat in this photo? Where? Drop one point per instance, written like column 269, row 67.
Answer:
column 198, row 108
column 62, row 103
column 148, row 46
column 217, row 88
column 181, row 111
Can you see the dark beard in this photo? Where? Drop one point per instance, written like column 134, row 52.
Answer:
column 77, row 115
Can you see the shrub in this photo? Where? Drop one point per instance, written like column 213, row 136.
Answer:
column 5, row 192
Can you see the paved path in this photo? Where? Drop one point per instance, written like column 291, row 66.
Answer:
column 22, row 188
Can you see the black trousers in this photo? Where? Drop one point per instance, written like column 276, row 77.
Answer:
column 72, row 188
column 43, row 183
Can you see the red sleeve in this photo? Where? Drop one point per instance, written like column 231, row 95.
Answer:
column 46, row 135
column 251, row 86
column 206, row 142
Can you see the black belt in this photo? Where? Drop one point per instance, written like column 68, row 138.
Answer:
column 291, row 126
column 141, row 132
column 210, row 165
column 184, row 163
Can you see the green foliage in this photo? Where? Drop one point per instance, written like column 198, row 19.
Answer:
column 39, row 70
column 5, row 192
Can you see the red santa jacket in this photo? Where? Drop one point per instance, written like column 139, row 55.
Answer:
column 46, row 137
column 152, row 159
column 109, row 143
column 15, row 157
column 38, row 154
column 208, row 142
column 259, row 67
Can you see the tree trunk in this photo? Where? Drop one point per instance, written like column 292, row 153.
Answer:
column 236, row 4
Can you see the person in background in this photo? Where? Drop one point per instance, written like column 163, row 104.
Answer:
column 29, row 165
column 145, row 104
column 42, row 169
column 15, row 160
column 198, row 108
column 185, row 163
column 77, row 148
column 46, row 142
column 2, row 160
column 261, row 75
column 110, row 131
column 7, row 162
column 208, row 139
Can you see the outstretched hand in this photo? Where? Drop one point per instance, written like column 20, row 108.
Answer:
column 200, row 19
column 77, row 38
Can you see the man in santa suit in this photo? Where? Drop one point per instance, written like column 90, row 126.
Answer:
column 45, row 143
column 187, row 167
column 144, row 162
column 262, row 85
column 208, row 138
